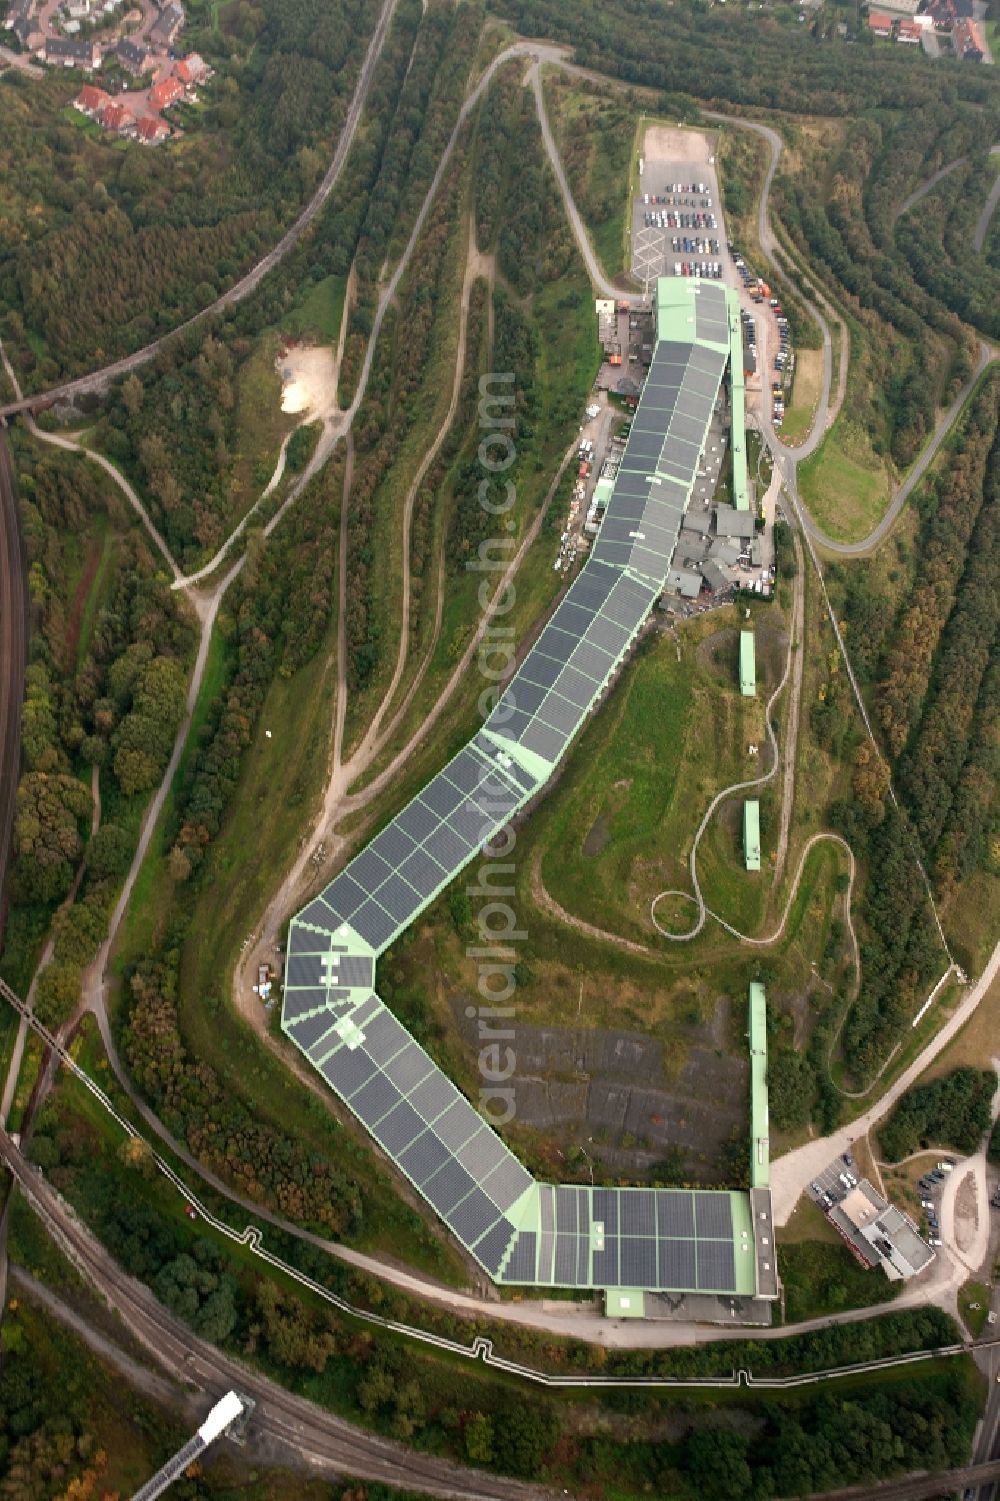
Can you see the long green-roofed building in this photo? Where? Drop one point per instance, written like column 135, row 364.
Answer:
column 748, row 665
column 518, row 1229
column 760, row 1156
column 751, row 833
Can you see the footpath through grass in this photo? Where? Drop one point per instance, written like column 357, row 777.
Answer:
column 806, row 386
column 974, row 1306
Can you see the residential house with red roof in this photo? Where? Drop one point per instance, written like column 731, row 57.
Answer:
column 152, row 131
column 90, row 99
column 162, row 95
column 117, row 117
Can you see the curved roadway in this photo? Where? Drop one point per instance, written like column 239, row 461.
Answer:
column 542, row 51
column 246, row 284
column 13, row 658
column 788, row 457
column 311, row 1433
column 912, row 199
column 989, row 209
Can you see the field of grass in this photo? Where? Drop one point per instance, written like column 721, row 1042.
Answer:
column 284, row 775
column 261, row 425
column 742, row 161
column 318, row 311
column 820, row 1279
column 808, row 1224
column 96, row 595
column 845, row 486
column 973, row 1306
column 622, row 823
column 806, row 386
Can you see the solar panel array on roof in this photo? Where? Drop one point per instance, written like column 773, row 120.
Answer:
column 668, row 1239
column 378, row 895
column 519, row 1231
column 661, row 459
column 550, row 695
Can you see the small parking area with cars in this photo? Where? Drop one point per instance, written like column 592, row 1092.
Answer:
column 835, row 1182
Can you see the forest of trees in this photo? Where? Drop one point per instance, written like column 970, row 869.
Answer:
column 834, row 1440
column 110, row 649
column 937, row 239
column 933, row 658
column 174, row 431
column 104, row 250
column 743, row 58
column 951, row 1111
column 421, row 119
column 228, row 1136
column 919, row 352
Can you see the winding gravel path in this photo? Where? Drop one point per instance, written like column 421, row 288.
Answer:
column 989, row 209
column 98, row 380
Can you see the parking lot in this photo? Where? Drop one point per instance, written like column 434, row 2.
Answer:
column 829, row 1188
column 685, row 226
column 679, row 172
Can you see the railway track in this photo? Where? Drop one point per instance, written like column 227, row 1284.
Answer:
column 282, row 1422
column 13, row 659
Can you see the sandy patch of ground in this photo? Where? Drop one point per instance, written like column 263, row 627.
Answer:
column 666, row 143
column 966, row 1213
column 309, row 378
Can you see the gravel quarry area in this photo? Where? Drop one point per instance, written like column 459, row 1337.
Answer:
column 309, row 379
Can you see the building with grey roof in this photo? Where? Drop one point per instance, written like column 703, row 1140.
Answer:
column 715, row 580
column 878, row 1232
column 732, row 523
column 685, row 582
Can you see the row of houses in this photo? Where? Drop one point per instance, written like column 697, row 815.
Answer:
column 88, row 54
column 908, row 31
column 137, row 116
column 118, row 118
column 946, row 17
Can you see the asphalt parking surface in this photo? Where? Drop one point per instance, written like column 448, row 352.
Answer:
column 828, row 1181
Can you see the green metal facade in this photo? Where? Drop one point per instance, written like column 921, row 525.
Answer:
column 760, row 1164
column 751, row 833
column 748, row 665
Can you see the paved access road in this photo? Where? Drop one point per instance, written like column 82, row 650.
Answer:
column 313, row 1436
column 791, row 1174
column 989, row 209
column 98, row 379
column 13, row 657
column 920, row 1487
column 987, row 1447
